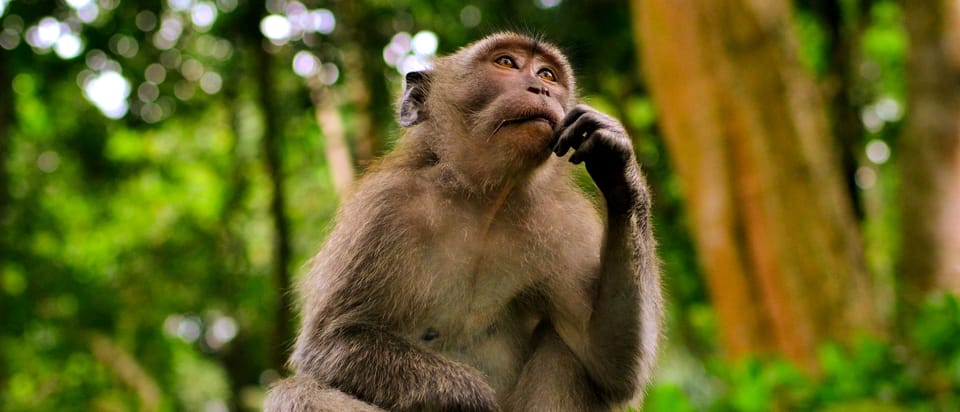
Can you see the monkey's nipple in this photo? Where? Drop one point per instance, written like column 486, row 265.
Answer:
column 429, row 335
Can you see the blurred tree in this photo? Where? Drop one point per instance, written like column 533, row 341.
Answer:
column 929, row 196
column 748, row 135
column 844, row 23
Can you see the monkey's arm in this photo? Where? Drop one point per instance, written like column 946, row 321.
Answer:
column 618, row 341
column 379, row 367
column 356, row 301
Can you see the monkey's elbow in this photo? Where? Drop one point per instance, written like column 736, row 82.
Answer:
column 620, row 390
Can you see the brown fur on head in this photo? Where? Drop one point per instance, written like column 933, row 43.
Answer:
column 501, row 99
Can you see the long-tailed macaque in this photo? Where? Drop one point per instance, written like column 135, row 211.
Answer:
column 468, row 272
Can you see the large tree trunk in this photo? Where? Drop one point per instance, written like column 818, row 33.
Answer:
column 747, row 133
column 930, row 151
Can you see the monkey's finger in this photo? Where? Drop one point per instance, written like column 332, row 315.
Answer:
column 586, row 149
column 573, row 115
column 565, row 123
column 573, row 135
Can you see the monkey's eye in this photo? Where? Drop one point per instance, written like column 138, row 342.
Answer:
column 547, row 74
column 505, row 61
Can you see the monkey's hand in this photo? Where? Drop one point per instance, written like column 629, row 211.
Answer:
column 603, row 143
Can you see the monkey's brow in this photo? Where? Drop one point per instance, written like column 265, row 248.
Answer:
column 535, row 47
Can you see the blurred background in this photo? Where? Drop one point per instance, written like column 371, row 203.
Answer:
column 167, row 168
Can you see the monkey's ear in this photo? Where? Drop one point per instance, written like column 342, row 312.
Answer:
column 413, row 109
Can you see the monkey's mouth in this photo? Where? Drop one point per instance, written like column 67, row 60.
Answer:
column 532, row 118
column 537, row 117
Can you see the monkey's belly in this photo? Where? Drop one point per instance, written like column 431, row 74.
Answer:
column 497, row 350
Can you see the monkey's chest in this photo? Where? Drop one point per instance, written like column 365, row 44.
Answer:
column 476, row 276
column 475, row 308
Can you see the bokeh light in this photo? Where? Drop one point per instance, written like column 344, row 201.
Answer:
column 123, row 45
column 171, row 27
column 68, row 46
column 226, row 6
column 865, row 177
column 155, row 73
column 547, row 4
column 191, row 70
column 146, row 20
column 148, row 92
column 425, row 43
column 48, row 161
column 211, row 82
column 9, row 39
column 179, row 5
column 276, row 28
column 78, row 4
column 305, row 64
column 203, row 15
column 108, row 91
column 323, row 21
column 329, row 73
column 223, row 330
column 470, row 16
column 409, row 53
column 878, row 151
column 88, row 13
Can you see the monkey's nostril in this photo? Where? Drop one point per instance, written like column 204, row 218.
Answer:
column 535, row 89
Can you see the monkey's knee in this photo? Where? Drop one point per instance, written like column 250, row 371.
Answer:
column 303, row 394
column 554, row 380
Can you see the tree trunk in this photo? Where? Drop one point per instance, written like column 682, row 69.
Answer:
column 7, row 120
column 747, row 133
column 127, row 370
column 365, row 83
column 840, row 89
column 273, row 162
column 325, row 109
column 930, row 151
column 7, row 117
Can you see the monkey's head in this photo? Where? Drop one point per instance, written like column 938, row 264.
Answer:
column 499, row 98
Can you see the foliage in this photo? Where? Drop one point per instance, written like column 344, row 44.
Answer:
column 919, row 372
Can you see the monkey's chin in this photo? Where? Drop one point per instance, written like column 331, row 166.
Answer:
column 537, row 126
column 531, row 138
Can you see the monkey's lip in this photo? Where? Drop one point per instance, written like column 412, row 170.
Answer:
column 532, row 118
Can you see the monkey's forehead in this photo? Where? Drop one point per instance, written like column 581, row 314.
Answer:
column 514, row 40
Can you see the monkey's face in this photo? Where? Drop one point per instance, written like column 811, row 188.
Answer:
column 520, row 90
column 504, row 95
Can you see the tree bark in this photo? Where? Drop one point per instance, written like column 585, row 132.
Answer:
column 748, row 135
column 929, row 151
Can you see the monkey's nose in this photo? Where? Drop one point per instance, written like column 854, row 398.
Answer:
column 538, row 90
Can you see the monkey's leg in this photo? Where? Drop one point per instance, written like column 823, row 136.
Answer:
column 554, row 380
column 303, row 394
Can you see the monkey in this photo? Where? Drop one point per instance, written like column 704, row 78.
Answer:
column 467, row 271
